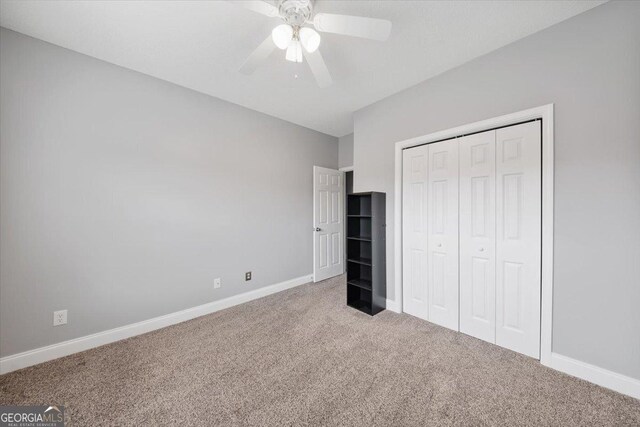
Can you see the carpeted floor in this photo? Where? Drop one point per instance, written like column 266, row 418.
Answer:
column 301, row 357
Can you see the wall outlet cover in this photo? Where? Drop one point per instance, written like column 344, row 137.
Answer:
column 59, row 317
column 217, row 283
column 247, row 276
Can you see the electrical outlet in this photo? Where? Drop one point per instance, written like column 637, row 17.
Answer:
column 217, row 283
column 59, row 317
column 247, row 276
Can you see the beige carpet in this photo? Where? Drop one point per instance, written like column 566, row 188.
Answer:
column 301, row 357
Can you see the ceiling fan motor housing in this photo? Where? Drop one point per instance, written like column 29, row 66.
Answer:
column 295, row 12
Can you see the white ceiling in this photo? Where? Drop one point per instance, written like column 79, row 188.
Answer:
column 201, row 45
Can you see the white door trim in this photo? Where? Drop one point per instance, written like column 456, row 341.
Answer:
column 545, row 113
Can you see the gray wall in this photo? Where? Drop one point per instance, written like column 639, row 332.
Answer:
column 589, row 66
column 124, row 196
column 345, row 156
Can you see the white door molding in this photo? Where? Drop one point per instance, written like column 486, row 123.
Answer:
column 546, row 114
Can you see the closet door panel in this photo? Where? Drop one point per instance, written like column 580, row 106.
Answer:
column 414, row 231
column 477, row 235
column 442, row 223
column 518, row 246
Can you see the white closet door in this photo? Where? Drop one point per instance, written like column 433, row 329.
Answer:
column 477, row 235
column 414, row 231
column 442, row 238
column 518, row 213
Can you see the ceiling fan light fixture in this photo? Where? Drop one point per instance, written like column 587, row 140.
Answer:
column 310, row 39
column 294, row 51
column 282, row 35
column 299, row 33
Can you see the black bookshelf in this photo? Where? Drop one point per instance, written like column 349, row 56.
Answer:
column 366, row 264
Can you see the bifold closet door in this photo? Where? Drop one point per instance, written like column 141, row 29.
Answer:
column 414, row 231
column 478, row 235
column 472, row 211
column 518, row 244
column 442, row 237
column 430, row 232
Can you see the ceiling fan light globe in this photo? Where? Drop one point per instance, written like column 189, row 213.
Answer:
column 282, row 35
column 294, row 51
column 310, row 39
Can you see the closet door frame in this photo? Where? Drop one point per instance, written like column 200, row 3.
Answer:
column 545, row 113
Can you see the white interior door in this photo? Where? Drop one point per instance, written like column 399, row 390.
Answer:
column 518, row 246
column 442, row 234
column 477, row 235
column 328, row 219
column 414, row 231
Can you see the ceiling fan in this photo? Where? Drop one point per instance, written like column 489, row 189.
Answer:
column 300, row 40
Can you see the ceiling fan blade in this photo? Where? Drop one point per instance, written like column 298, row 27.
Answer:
column 318, row 68
column 261, row 7
column 258, row 56
column 356, row 26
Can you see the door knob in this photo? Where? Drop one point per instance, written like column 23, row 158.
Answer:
column 439, row 245
column 318, row 229
column 481, row 249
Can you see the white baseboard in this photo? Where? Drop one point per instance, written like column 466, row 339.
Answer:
column 54, row 351
column 392, row 306
column 594, row 374
column 602, row 377
column 605, row 378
